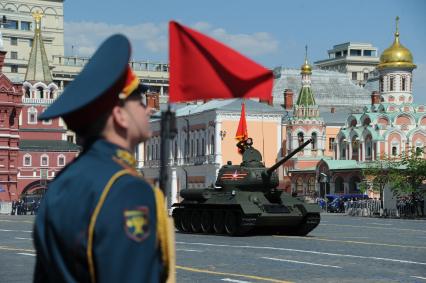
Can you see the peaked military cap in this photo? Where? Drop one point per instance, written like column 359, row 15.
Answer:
column 96, row 89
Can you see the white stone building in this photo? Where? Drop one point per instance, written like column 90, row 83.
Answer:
column 18, row 32
column 355, row 59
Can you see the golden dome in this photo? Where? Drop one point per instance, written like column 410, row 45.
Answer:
column 396, row 56
column 306, row 68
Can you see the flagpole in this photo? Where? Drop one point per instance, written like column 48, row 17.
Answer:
column 168, row 132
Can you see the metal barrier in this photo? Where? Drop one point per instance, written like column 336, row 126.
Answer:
column 373, row 208
column 363, row 208
column 5, row 207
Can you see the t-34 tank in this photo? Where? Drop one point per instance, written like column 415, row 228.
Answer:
column 246, row 198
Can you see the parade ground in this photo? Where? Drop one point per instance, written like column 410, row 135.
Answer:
column 340, row 249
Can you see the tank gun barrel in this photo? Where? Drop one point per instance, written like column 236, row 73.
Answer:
column 281, row 162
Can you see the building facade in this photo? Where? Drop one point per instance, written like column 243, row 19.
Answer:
column 10, row 109
column 390, row 126
column 18, row 32
column 205, row 141
column 305, row 124
column 36, row 150
column 357, row 60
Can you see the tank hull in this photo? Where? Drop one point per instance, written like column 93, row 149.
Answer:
column 238, row 213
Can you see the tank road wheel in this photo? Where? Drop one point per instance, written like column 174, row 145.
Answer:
column 177, row 218
column 207, row 221
column 186, row 220
column 218, row 222
column 196, row 221
column 233, row 223
column 310, row 222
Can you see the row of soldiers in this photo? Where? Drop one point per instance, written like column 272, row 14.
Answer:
column 22, row 207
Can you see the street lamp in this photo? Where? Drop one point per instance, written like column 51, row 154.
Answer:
column 323, row 179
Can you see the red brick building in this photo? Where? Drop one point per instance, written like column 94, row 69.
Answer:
column 32, row 152
column 10, row 108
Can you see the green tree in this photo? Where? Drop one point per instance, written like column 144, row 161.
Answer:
column 409, row 173
column 376, row 176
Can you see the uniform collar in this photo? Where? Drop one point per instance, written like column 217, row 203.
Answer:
column 117, row 153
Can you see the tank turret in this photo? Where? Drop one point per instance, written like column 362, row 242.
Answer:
column 252, row 174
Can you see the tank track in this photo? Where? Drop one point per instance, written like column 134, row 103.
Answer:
column 211, row 221
column 230, row 222
column 310, row 222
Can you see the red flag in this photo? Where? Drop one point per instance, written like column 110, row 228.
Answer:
column 242, row 134
column 203, row 68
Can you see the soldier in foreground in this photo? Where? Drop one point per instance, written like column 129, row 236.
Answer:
column 100, row 221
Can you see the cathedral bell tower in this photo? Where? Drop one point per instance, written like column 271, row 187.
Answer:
column 306, row 122
column 395, row 69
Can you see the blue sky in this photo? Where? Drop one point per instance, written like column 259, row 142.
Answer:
column 272, row 33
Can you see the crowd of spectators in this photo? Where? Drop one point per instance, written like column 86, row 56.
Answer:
column 406, row 206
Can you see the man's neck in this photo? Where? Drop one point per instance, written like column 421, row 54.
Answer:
column 118, row 140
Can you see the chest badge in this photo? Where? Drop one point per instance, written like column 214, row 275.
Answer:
column 136, row 223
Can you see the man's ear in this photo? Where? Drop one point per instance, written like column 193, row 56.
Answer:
column 120, row 116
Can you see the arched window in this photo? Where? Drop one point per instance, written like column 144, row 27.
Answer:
column 40, row 92
column 300, row 138
column 419, row 149
column 311, row 186
column 12, row 117
column 27, row 92
column 46, row 122
column 299, row 186
column 186, row 147
column 381, row 84
column 154, row 152
column 61, row 160
column 342, row 148
column 338, row 185
column 27, row 160
column 212, row 146
column 157, row 148
column 368, row 148
column 403, row 84
column 153, row 156
column 203, row 147
column 391, row 81
column 354, row 184
column 314, row 141
column 52, row 92
column 44, row 160
column 366, row 121
column 32, row 115
column 355, row 148
column 394, row 150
